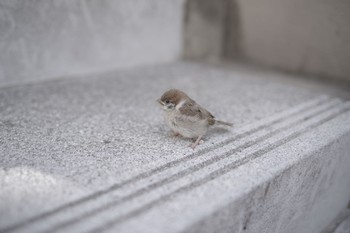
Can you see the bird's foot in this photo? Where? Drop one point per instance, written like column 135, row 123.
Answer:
column 198, row 141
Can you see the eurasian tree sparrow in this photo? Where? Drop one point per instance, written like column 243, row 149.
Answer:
column 185, row 117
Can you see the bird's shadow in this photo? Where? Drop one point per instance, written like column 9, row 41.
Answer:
column 217, row 130
column 212, row 132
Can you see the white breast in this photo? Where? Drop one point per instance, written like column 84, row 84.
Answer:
column 187, row 126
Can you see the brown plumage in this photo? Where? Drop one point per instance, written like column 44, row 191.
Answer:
column 185, row 117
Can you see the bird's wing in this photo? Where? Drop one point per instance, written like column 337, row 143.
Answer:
column 192, row 109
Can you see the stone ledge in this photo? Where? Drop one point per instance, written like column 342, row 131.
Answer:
column 60, row 174
column 344, row 226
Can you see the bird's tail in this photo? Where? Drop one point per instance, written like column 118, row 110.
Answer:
column 223, row 123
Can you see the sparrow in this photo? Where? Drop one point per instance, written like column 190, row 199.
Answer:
column 185, row 117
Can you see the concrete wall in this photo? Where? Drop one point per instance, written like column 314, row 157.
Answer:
column 303, row 36
column 211, row 29
column 52, row 38
column 309, row 37
column 204, row 27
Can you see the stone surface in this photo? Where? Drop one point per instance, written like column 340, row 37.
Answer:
column 344, row 226
column 304, row 37
column 338, row 222
column 50, row 39
column 92, row 154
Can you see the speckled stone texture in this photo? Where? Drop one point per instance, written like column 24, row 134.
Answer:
column 92, row 154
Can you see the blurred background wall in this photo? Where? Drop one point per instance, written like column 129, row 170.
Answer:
column 42, row 39
column 304, row 36
column 311, row 37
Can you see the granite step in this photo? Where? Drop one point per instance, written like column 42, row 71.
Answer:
column 92, row 154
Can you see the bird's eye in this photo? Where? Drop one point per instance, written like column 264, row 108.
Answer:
column 167, row 101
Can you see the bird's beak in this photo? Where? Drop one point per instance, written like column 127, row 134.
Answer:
column 160, row 102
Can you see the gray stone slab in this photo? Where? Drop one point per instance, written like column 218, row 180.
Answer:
column 344, row 226
column 92, row 153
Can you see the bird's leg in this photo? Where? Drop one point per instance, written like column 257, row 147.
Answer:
column 193, row 145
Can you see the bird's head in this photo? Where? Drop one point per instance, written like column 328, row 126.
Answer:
column 171, row 98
